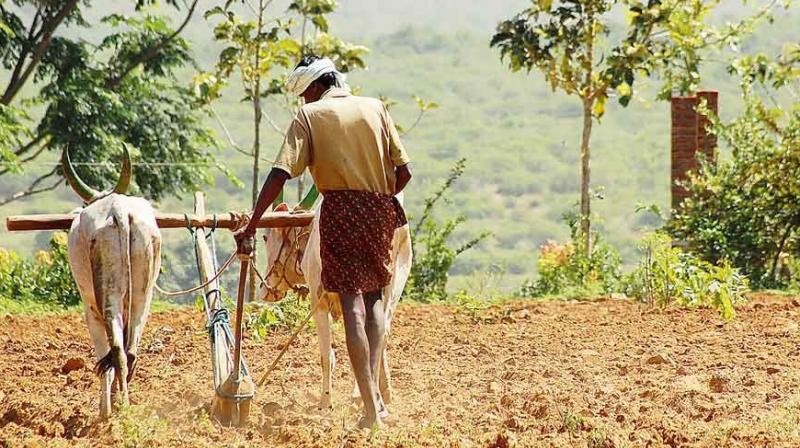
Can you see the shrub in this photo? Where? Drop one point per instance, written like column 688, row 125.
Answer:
column 666, row 275
column 267, row 317
column 46, row 279
column 430, row 270
column 566, row 270
column 744, row 209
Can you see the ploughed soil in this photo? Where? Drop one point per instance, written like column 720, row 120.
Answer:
column 610, row 373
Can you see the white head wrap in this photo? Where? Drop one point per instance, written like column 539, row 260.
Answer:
column 302, row 77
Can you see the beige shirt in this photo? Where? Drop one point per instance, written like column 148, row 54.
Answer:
column 347, row 143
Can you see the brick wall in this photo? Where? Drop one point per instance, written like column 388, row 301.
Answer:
column 689, row 137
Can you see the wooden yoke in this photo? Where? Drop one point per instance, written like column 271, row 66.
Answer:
column 63, row 221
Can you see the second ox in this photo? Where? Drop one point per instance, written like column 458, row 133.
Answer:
column 294, row 263
column 115, row 255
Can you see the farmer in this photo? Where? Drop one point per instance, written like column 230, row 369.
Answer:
column 353, row 151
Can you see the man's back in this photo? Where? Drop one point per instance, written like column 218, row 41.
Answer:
column 347, row 142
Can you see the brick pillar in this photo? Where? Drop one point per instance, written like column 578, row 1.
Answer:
column 689, row 136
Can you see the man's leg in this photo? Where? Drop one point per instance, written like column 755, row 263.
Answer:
column 376, row 333
column 358, row 349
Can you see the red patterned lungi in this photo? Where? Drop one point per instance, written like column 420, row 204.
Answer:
column 356, row 230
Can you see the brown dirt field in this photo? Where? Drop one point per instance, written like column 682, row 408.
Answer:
column 604, row 374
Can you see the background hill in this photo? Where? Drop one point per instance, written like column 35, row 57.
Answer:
column 520, row 139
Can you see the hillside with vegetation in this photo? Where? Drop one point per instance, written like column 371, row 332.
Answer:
column 519, row 138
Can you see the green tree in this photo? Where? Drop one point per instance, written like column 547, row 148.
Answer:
column 569, row 42
column 744, row 209
column 97, row 97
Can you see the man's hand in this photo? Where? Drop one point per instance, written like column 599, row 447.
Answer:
column 244, row 240
column 269, row 191
column 402, row 176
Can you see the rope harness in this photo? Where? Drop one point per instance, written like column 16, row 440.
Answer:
column 240, row 220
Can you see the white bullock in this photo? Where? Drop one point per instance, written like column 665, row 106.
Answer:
column 115, row 255
column 294, row 263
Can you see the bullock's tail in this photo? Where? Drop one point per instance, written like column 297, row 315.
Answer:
column 113, row 294
column 105, row 363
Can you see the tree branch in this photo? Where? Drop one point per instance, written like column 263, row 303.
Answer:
column 416, row 122
column 27, row 159
column 152, row 51
column 272, row 124
column 32, row 190
column 33, row 35
column 48, row 28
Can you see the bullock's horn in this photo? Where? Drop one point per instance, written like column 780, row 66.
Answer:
column 125, row 175
column 310, row 198
column 84, row 191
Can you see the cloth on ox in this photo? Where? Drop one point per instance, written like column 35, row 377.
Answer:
column 356, row 232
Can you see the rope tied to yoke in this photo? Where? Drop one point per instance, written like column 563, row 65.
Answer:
column 240, row 220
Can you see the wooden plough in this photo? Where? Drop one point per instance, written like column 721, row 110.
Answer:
column 229, row 409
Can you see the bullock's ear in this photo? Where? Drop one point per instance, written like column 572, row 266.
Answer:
column 282, row 207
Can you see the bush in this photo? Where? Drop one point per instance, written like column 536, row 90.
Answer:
column 46, row 279
column 430, row 270
column 565, row 270
column 286, row 314
column 744, row 209
column 666, row 275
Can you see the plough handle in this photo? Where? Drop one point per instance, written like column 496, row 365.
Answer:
column 244, row 266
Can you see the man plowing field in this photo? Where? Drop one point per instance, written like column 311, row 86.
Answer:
column 354, row 154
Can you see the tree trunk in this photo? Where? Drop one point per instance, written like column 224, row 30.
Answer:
column 48, row 29
column 256, row 185
column 586, row 211
column 257, row 115
column 588, row 98
column 777, row 257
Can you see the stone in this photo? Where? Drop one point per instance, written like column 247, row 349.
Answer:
column 72, row 364
column 719, row 384
column 657, row 360
column 156, row 346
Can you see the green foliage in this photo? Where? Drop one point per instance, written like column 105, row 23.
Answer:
column 430, row 271
column 566, row 40
column 137, row 426
column 12, row 134
column 745, row 209
column 565, row 269
column 268, row 317
column 47, row 279
column 261, row 53
column 97, row 97
column 470, row 304
column 666, row 276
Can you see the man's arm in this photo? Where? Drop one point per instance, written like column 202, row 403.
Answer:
column 269, row 192
column 402, row 175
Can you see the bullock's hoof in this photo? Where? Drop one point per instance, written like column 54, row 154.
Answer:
column 367, row 423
